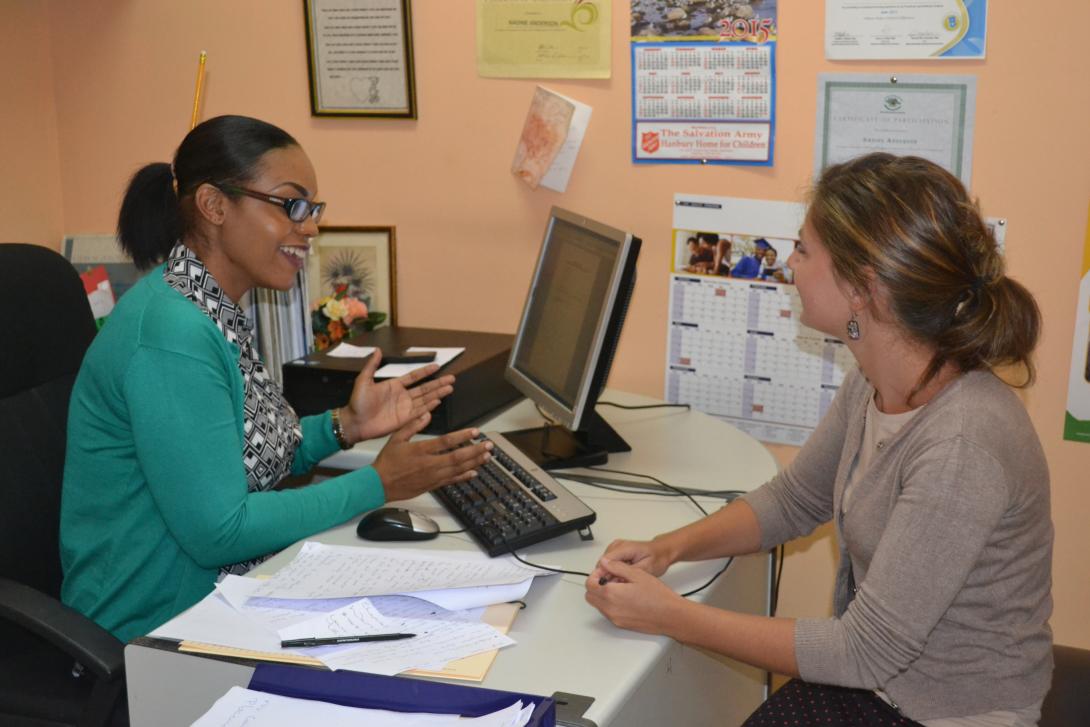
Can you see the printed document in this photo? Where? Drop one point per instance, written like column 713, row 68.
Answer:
column 248, row 708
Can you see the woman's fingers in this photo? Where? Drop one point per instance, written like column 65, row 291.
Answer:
column 432, row 388
column 418, row 374
column 411, row 428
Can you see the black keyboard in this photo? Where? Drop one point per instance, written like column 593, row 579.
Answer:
column 512, row 502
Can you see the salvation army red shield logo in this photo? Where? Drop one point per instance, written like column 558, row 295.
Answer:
column 649, row 141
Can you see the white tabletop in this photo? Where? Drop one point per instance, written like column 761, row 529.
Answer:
column 563, row 643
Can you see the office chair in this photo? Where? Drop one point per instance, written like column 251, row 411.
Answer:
column 1068, row 701
column 45, row 328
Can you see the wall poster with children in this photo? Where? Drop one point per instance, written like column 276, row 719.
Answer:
column 735, row 346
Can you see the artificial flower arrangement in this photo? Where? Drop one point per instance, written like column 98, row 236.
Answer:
column 339, row 316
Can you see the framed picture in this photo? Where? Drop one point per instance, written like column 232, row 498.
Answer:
column 360, row 58
column 86, row 252
column 361, row 262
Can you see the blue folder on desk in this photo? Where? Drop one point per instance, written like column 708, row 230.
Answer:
column 398, row 694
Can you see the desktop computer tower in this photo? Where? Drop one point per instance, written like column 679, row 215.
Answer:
column 319, row 382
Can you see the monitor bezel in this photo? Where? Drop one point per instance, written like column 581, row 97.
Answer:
column 570, row 417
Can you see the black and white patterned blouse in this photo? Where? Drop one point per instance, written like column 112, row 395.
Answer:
column 270, row 426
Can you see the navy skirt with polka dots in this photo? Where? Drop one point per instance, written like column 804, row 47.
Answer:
column 800, row 703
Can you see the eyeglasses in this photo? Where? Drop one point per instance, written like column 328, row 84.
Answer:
column 297, row 208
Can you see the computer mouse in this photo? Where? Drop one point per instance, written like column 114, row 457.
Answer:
column 396, row 523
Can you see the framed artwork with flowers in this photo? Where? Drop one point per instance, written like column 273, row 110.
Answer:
column 352, row 279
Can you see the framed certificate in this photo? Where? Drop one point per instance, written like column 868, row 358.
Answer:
column 360, row 58
column 929, row 116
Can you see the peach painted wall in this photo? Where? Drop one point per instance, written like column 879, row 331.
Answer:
column 467, row 230
column 30, row 182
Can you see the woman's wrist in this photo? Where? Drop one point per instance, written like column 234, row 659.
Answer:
column 668, row 547
column 342, row 421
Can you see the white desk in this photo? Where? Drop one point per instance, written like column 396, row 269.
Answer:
column 563, row 643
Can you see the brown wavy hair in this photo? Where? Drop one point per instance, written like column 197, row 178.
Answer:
column 910, row 225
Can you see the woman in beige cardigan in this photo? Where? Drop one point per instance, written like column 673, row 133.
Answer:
column 926, row 462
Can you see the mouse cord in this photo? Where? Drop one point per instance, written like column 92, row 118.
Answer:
column 450, row 532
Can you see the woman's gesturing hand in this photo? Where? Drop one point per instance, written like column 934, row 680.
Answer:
column 409, row 468
column 377, row 408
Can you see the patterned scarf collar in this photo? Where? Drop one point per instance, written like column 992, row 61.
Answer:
column 270, row 426
column 188, row 275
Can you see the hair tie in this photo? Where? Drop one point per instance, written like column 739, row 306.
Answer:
column 978, row 284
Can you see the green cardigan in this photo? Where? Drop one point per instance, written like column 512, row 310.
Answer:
column 155, row 498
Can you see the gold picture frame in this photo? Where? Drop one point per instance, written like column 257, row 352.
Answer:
column 364, row 259
column 354, row 68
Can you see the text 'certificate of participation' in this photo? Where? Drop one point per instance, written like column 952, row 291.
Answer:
column 925, row 116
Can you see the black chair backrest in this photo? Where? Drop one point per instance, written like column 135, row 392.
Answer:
column 1068, row 701
column 45, row 328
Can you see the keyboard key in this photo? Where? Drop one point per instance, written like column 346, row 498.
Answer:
column 498, row 509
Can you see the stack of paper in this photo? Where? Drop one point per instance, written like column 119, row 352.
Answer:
column 335, row 591
column 258, row 709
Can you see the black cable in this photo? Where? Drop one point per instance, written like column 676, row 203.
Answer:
column 552, row 570
column 519, row 558
column 733, row 493
column 646, row 488
column 711, row 580
column 625, row 489
column 679, row 493
column 667, row 485
column 548, row 419
column 780, row 554
column 686, row 407
column 451, row 532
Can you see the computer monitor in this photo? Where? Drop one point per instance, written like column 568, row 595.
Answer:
column 567, row 337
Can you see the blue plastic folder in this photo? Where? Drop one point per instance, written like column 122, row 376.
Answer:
column 398, row 694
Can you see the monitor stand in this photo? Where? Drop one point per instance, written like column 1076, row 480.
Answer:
column 556, row 447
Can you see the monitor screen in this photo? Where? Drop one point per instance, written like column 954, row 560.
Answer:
column 563, row 311
column 573, row 316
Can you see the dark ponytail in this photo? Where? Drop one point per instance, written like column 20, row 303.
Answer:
column 911, row 225
column 150, row 222
column 996, row 325
column 158, row 208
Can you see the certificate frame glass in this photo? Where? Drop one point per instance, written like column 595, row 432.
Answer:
column 928, row 115
column 372, row 80
column 364, row 258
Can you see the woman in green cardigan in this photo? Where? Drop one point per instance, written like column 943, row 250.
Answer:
column 177, row 435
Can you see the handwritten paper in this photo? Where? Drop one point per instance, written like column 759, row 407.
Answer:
column 213, row 620
column 436, row 641
column 248, row 708
column 458, row 599
column 339, row 571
